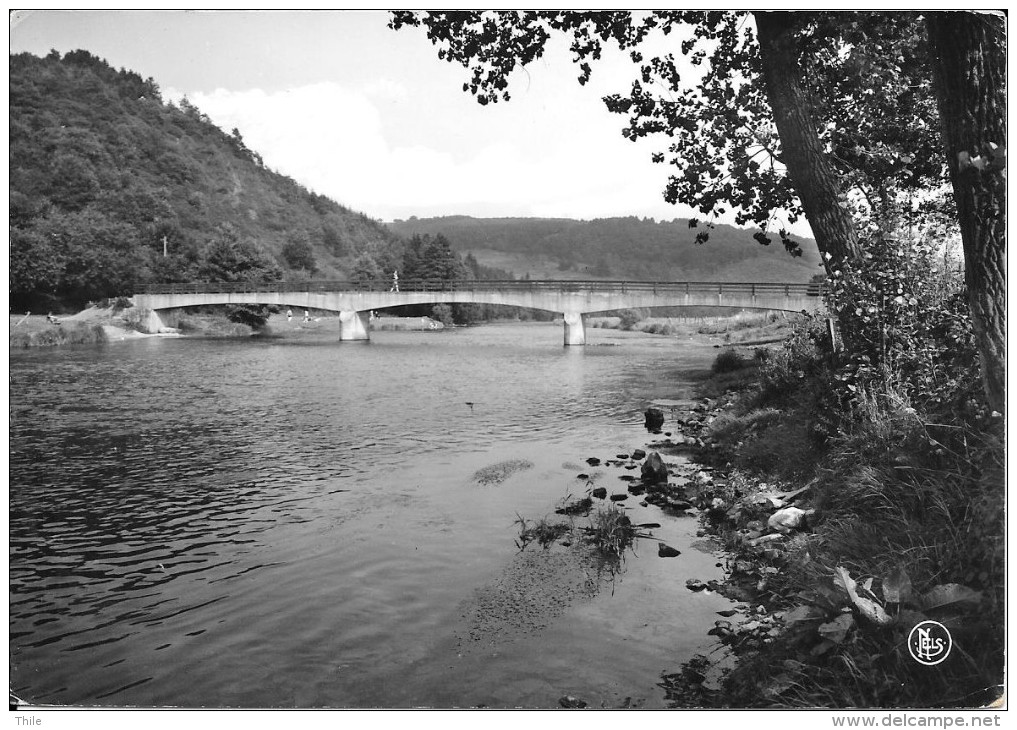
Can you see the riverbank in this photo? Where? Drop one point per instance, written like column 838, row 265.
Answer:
column 97, row 325
column 112, row 324
column 843, row 537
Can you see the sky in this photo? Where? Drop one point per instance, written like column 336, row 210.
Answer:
column 373, row 119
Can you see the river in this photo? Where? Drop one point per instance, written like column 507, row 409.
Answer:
column 289, row 521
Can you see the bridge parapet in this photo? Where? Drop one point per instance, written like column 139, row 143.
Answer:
column 663, row 288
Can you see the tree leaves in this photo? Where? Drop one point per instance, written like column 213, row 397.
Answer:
column 866, row 607
column 716, row 127
column 837, row 629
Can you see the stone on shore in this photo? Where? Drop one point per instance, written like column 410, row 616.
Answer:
column 787, row 519
column 654, row 470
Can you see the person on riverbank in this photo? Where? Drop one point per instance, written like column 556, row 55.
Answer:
column 289, row 315
column 51, row 319
column 307, row 316
column 395, row 281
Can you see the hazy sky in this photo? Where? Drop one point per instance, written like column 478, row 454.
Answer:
column 372, row 118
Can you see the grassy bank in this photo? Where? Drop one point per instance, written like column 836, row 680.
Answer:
column 851, row 516
column 744, row 327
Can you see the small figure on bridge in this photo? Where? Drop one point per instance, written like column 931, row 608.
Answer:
column 289, row 315
column 395, row 281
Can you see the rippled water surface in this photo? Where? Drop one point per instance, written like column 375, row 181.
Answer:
column 294, row 522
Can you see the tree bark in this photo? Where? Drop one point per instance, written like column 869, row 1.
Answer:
column 969, row 60
column 813, row 176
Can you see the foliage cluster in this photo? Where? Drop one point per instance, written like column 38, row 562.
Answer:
column 905, row 323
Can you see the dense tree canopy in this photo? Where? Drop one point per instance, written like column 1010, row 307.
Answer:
column 777, row 115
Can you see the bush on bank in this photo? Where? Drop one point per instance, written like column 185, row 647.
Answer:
column 906, row 469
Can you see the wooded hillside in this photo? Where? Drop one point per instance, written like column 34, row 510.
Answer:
column 618, row 248
column 104, row 174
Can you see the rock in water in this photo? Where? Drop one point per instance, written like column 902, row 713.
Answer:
column 654, row 419
column 653, row 470
column 571, row 703
column 638, row 454
column 666, row 551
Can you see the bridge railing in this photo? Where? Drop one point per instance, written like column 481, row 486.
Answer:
column 442, row 285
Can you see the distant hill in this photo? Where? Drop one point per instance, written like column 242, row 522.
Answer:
column 104, row 174
column 621, row 248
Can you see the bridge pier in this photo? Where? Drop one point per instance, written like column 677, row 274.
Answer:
column 575, row 328
column 354, row 326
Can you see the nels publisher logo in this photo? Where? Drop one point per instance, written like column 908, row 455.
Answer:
column 929, row 643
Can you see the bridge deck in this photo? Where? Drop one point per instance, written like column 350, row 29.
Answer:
column 526, row 285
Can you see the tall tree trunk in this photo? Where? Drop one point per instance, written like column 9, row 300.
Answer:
column 815, row 179
column 969, row 58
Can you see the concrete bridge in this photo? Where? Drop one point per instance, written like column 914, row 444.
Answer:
column 574, row 299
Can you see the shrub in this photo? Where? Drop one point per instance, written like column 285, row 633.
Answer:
column 660, row 328
column 728, row 361
column 442, row 313
column 801, row 365
column 904, row 321
column 254, row 316
column 629, row 318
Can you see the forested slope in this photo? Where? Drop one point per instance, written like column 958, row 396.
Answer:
column 622, row 248
column 105, row 177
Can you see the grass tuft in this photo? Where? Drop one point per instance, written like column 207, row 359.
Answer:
column 610, row 532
